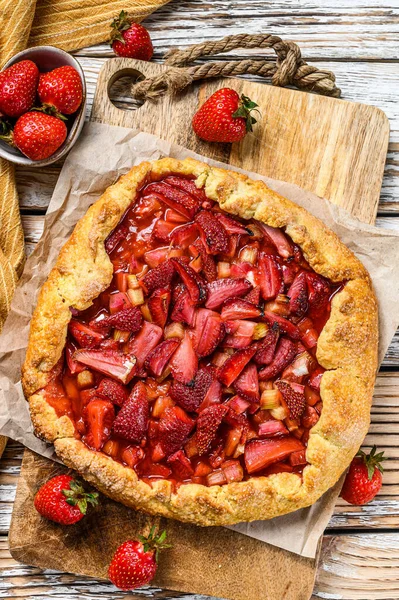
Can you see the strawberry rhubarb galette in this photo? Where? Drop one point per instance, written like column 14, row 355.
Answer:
column 203, row 349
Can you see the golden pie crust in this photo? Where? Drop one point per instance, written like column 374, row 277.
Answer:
column 347, row 348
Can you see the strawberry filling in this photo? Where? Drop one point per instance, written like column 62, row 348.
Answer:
column 198, row 363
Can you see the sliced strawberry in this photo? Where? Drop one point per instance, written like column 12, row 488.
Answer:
column 174, row 428
column 208, row 266
column 155, row 258
column 109, row 362
column 319, row 293
column 310, row 417
column 115, row 237
column 84, row 335
column 272, row 428
column 174, row 217
column 223, row 289
column 279, row 239
column 302, row 366
column 262, row 453
column 174, row 197
column 213, row 234
column 271, row 279
column 196, row 287
column 212, row 396
column 238, row 421
column 285, row 353
column 159, row 277
column 145, row 341
column 113, row 391
column 298, row 458
column 208, row 424
column 238, row 404
column 231, row 225
column 294, row 399
column 131, row 422
column 247, row 384
column 162, row 230
column 315, row 378
column 298, row 295
column 184, row 362
column 184, row 235
column 187, row 185
column 158, row 305
column 208, row 332
column 190, row 397
column 284, row 324
column 159, row 357
column 98, row 416
column 253, row 296
column 128, row 319
column 242, row 269
column 73, row 365
column 233, row 366
column 267, row 347
column 241, row 333
column 181, row 465
column 184, row 309
column 238, row 308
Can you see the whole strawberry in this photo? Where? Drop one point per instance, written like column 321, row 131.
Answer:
column 38, row 135
column 63, row 500
column 135, row 562
column 61, row 89
column 364, row 478
column 130, row 39
column 18, row 86
column 225, row 117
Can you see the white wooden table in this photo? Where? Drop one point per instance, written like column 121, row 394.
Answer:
column 358, row 40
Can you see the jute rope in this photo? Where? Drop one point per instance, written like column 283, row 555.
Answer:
column 288, row 69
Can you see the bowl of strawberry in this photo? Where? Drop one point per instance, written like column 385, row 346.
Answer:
column 42, row 106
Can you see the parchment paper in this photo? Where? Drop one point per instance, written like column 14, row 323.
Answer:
column 101, row 155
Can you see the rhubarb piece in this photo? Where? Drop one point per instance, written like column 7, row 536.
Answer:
column 111, row 390
column 271, row 280
column 213, row 234
column 298, row 458
column 159, row 357
column 84, row 335
column 74, row 366
column 145, row 341
column 184, row 362
column 319, row 293
column 247, row 384
column 184, row 235
column 155, row 258
column 285, row 353
column 223, row 289
column 298, row 294
column 174, row 428
column 260, row 454
column 233, row 366
column 109, row 362
column 279, row 240
column 315, row 378
column 158, row 305
column 118, row 302
column 174, row 330
column 309, row 334
column 233, row 471
column 131, row 422
column 267, row 348
column 242, row 333
column 217, row 477
column 238, row 308
column 184, row 309
column 190, row 397
column 98, row 417
column 270, row 399
column 162, row 231
column 115, row 237
column 302, row 366
column 294, row 399
column 208, row 423
column 284, row 325
column 208, row 332
column 272, row 428
column 231, row 225
column 208, row 266
column 159, row 277
column 132, row 455
column 180, row 465
column 238, row 404
column 174, row 197
column 310, row 417
column 195, row 285
column 128, row 319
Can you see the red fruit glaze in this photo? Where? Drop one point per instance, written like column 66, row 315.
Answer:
column 173, row 387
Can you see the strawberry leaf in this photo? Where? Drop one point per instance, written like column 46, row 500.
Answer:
column 372, row 461
column 244, row 111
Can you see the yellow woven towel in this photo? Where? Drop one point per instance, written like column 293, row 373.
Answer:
column 68, row 24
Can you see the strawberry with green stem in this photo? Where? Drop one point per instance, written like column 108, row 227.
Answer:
column 130, row 39
column 64, row 500
column 364, row 478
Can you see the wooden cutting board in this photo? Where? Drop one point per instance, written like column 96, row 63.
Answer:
column 331, row 147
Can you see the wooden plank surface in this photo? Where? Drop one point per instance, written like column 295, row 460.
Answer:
column 357, row 39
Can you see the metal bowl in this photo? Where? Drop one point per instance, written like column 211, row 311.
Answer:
column 48, row 58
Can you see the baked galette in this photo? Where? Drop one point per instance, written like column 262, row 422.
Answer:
column 203, row 349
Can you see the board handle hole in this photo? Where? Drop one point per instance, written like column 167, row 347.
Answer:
column 120, row 89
